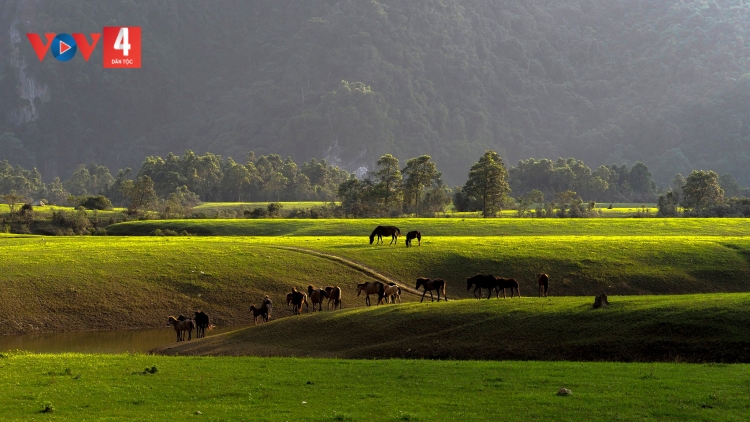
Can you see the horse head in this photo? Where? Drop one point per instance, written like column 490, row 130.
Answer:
column 422, row 281
column 360, row 287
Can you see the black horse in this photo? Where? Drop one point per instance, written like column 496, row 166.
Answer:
column 488, row 282
column 201, row 323
column 413, row 235
column 381, row 231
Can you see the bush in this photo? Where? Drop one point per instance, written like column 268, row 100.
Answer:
column 76, row 222
column 94, row 202
column 274, row 209
column 256, row 213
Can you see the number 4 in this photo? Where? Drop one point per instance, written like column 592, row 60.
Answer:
column 121, row 43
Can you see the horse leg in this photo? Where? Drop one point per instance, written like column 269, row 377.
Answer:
column 432, row 298
column 425, row 292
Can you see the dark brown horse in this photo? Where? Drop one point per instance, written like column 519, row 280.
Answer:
column 298, row 299
column 180, row 327
column 507, row 283
column 264, row 311
column 261, row 312
column 201, row 323
column 371, row 288
column 413, row 235
column 430, row 285
column 334, row 294
column 381, row 231
column 482, row 281
column 543, row 280
column 316, row 296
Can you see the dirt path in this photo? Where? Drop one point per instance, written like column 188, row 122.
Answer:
column 353, row 265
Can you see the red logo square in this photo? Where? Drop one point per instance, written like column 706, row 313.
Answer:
column 122, row 47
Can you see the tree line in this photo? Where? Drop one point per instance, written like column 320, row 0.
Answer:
column 565, row 187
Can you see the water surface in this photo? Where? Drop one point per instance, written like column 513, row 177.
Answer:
column 115, row 341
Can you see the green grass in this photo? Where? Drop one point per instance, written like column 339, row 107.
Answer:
column 682, row 328
column 82, row 283
column 447, row 227
column 95, row 387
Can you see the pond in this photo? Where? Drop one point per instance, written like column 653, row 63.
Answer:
column 115, row 341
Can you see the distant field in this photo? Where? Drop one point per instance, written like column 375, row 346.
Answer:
column 686, row 328
column 447, row 227
column 47, row 210
column 81, row 283
column 114, row 387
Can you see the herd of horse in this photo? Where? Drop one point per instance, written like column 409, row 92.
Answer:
column 385, row 292
column 184, row 326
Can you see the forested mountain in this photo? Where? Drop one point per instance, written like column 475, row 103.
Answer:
column 664, row 82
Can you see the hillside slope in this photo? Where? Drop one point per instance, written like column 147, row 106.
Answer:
column 694, row 328
column 86, row 283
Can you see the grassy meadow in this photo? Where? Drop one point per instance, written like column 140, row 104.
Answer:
column 82, row 283
column 134, row 281
column 475, row 227
column 72, row 387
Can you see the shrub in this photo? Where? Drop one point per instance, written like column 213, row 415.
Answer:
column 97, row 202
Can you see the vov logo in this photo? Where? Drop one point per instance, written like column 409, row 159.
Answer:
column 122, row 46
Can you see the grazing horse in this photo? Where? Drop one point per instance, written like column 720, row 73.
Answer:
column 181, row 326
column 316, row 296
column 430, row 285
column 505, row 283
column 259, row 312
column 413, row 235
column 482, row 282
column 334, row 294
column 264, row 311
column 392, row 293
column 543, row 280
column 298, row 299
column 371, row 288
column 381, row 231
column 201, row 323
